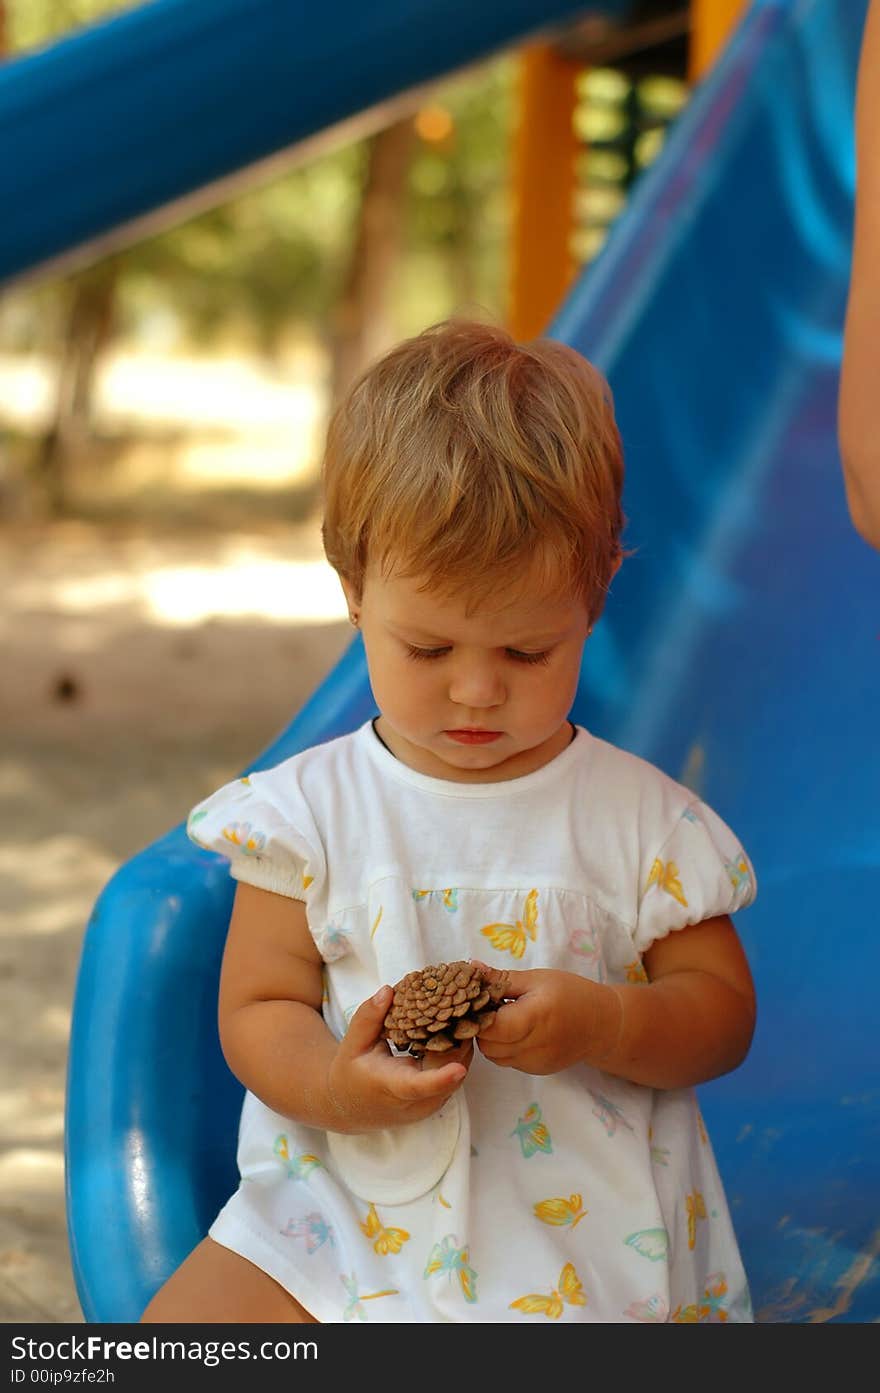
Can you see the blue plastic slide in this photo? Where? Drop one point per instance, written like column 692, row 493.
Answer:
column 740, row 651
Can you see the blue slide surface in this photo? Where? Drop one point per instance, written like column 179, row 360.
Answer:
column 740, row 651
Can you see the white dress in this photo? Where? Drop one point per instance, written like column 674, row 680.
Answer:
column 575, row 1196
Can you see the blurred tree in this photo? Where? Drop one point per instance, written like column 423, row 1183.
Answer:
column 88, row 326
column 362, row 318
column 87, row 299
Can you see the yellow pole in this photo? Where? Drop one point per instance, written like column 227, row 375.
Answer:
column 543, row 182
column 712, row 23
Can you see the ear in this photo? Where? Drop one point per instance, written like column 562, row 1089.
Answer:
column 352, row 598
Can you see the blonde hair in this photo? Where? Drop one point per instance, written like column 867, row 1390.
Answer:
column 478, row 463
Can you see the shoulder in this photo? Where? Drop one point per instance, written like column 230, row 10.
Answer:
column 667, row 818
column 269, row 825
column 634, row 786
column 302, row 776
column 274, row 813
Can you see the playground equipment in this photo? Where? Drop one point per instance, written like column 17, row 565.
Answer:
column 738, row 651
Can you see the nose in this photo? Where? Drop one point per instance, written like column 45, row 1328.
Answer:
column 476, row 682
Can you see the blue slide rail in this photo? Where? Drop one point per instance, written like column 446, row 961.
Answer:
column 739, row 651
column 129, row 116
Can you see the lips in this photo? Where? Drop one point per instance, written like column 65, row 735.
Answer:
column 473, row 736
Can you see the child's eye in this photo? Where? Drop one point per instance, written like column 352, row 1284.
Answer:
column 414, row 652
column 528, row 657
column 514, row 653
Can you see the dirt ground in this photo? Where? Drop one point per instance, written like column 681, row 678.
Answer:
column 141, row 668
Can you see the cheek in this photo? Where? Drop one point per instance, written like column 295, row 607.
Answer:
column 556, row 688
column 402, row 681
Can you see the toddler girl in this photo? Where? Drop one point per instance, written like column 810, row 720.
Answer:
column 557, row 1168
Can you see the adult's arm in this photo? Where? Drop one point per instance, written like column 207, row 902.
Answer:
column 859, row 400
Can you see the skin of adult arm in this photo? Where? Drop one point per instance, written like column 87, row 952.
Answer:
column 692, row 1021
column 276, row 1042
column 859, row 398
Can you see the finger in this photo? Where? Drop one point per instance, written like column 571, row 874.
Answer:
column 507, row 1028
column 367, row 1022
column 462, row 1054
column 491, row 972
column 414, row 1084
column 515, row 983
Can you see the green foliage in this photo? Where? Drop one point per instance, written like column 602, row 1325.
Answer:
column 459, row 212
column 33, row 23
column 256, row 266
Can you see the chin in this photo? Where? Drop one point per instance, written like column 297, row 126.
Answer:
column 470, row 756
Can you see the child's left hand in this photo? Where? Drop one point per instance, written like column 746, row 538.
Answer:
column 548, row 1024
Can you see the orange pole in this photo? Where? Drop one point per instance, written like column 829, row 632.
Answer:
column 712, row 23
column 544, row 180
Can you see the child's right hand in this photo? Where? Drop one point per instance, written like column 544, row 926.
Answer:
column 371, row 1088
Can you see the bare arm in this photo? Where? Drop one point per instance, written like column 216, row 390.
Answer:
column 859, row 401
column 275, row 1041
column 693, row 1021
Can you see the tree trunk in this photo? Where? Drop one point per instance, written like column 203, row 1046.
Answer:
column 363, row 326
column 87, row 332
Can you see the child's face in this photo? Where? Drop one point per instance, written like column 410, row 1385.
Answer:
column 439, row 674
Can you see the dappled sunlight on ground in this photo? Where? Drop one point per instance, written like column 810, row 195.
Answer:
column 67, row 863
column 141, row 670
column 241, row 582
column 175, row 389
column 20, row 1121
column 200, row 426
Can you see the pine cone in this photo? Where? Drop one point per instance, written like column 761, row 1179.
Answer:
column 442, row 1006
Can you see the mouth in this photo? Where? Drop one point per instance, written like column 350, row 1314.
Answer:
column 473, row 736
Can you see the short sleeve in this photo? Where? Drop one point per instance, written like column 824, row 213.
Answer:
column 263, row 847
column 699, row 871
